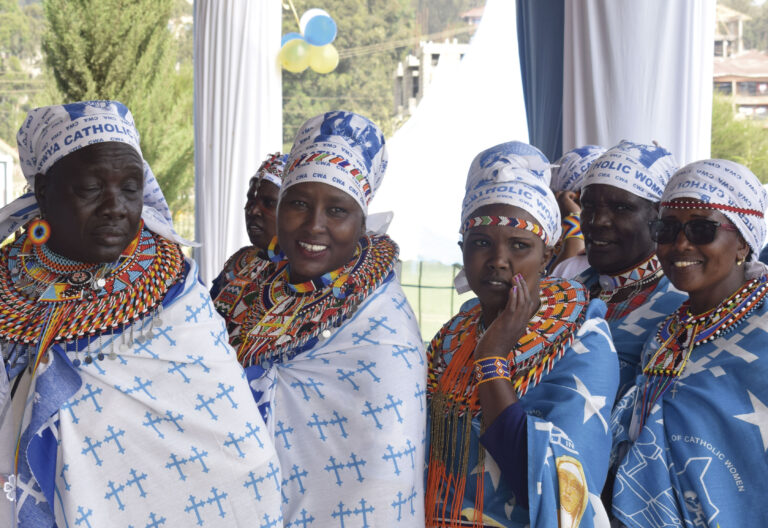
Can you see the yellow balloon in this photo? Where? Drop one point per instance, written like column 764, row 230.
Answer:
column 294, row 55
column 323, row 59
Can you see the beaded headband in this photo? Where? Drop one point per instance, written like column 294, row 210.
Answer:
column 478, row 221
column 708, row 205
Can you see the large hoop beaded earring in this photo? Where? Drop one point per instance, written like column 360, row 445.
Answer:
column 39, row 231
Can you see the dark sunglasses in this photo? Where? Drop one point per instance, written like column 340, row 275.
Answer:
column 698, row 232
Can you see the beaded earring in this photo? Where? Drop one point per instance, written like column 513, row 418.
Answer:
column 39, row 231
column 274, row 253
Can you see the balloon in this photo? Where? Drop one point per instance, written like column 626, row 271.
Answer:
column 320, row 30
column 310, row 13
column 294, row 55
column 323, row 59
column 289, row 36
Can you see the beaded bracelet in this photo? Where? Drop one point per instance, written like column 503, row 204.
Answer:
column 572, row 226
column 491, row 368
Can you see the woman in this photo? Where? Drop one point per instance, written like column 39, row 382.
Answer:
column 695, row 427
column 330, row 344
column 242, row 268
column 529, row 373
column 120, row 401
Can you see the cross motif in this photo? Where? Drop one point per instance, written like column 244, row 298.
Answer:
column 339, row 420
column 206, row 304
column 273, row 471
column 193, row 313
column 153, row 522
column 303, row 522
column 394, row 456
column 254, row 482
column 152, row 421
column 169, row 417
column 83, row 517
column 144, row 347
column 252, row 431
column 282, row 431
column 196, row 505
column 91, row 395
column 393, row 405
column 177, row 463
column 199, row 456
column 91, row 448
column 367, row 368
column 401, row 351
column 270, row 523
column 355, row 463
column 198, row 360
column 164, row 332
column 333, row 466
column 115, row 437
column 64, row 469
column 371, row 411
column 310, row 383
column 295, row 475
column 217, row 498
column 224, row 392
column 235, row 441
column 140, row 386
column 317, row 423
column 399, row 503
column 136, row 479
column 68, row 405
column 221, row 339
column 206, row 404
column 114, row 492
column 178, row 367
column 346, row 375
column 401, row 304
column 419, row 395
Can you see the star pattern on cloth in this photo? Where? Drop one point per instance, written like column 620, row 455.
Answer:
column 592, row 404
column 758, row 417
column 490, row 467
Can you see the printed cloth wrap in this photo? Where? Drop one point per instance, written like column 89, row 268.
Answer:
column 272, row 168
column 568, row 435
column 700, row 459
column 631, row 331
column 342, row 149
column 502, row 183
column 348, row 419
column 166, row 434
column 569, row 170
column 515, row 153
column 642, row 170
column 50, row 133
column 726, row 183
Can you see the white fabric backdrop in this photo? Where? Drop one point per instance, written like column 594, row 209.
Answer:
column 472, row 106
column 639, row 70
column 238, row 117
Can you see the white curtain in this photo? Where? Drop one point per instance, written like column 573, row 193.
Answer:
column 639, row 70
column 469, row 107
column 238, row 117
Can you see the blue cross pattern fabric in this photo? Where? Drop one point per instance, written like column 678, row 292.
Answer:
column 348, row 419
column 701, row 458
column 165, row 434
column 632, row 331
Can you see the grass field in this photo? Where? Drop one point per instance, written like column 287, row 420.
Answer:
column 436, row 300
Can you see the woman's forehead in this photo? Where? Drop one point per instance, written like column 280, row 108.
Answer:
column 512, row 211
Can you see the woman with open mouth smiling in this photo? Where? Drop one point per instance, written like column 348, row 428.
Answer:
column 521, row 383
column 691, row 437
column 330, row 344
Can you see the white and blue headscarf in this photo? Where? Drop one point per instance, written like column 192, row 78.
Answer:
column 642, row 170
column 517, row 154
column 341, row 149
column 50, row 133
column 728, row 187
column 568, row 172
column 272, row 169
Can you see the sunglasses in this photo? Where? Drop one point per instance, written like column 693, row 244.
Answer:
column 698, row 232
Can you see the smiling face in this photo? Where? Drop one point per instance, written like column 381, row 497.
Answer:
column 615, row 227
column 318, row 228
column 93, row 199
column 260, row 209
column 708, row 272
column 493, row 255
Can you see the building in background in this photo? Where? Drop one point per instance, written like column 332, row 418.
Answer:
column 729, row 31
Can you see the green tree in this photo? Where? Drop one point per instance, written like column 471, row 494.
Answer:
column 21, row 85
column 741, row 140
column 124, row 50
column 360, row 83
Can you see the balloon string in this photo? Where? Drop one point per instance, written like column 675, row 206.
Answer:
column 295, row 15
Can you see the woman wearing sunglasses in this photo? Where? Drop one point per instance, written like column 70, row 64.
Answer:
column 692, row 435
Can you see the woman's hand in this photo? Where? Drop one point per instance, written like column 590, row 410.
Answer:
column 508, row 327
column 568, row 202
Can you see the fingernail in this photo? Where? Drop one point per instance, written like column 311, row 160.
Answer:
column 514, row 289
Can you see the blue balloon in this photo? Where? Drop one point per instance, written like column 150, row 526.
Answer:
column 320, row 30
column 290, row 36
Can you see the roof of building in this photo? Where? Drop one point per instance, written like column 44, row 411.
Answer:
column 475, row 12
column 751, row 63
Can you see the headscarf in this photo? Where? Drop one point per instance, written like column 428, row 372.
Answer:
column 517, row 154
column 50, row 133
column 272, row 169
column 728, row 187
column 569, row 170
column 341, row 149
column 494, row 180
column 642, row 170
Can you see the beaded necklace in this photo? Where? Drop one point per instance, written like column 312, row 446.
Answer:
column 40, row 306
column 681, row 332
column 453, row 394
column 282, row 319
column 638, row 276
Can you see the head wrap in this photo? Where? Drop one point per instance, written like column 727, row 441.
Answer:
column 517, row 154
column 642, row 170
column 341, row 149
column 729, row 188
column 494, row 180
column 50, row 133
column 568, row 174
column 272, row 169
